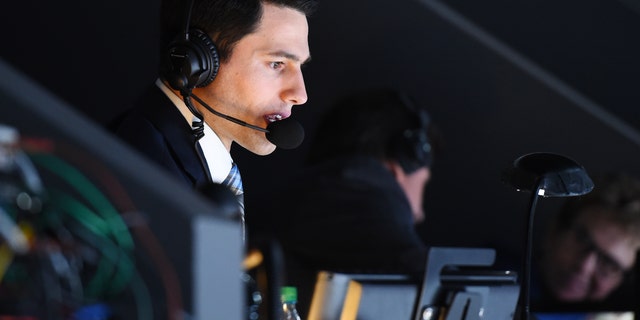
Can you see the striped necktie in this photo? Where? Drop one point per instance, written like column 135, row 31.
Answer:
column 234, row 182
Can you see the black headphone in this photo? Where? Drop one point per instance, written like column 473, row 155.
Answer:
column 191, row 60
column 413, row 148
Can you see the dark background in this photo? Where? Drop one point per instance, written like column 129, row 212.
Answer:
column 501, row 79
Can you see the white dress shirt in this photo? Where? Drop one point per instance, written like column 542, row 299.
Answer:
column 218, row 158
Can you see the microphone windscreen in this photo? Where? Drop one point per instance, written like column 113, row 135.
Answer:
column 285, row 134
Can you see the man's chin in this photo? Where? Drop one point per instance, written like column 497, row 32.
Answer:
column 264, row 150
column 258, row 146
column 572, row 293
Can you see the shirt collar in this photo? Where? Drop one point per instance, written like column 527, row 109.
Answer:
column 218, row 158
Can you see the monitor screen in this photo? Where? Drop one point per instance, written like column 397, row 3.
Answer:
column 112, row 227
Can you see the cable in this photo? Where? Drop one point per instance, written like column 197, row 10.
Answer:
column 83, row 186
column 114, row 254
column 104, row 229
column 122, row 272
column 126, row 206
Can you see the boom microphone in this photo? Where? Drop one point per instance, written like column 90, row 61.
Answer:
column 285, row 134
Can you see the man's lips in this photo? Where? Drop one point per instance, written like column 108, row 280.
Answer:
column 276, row 117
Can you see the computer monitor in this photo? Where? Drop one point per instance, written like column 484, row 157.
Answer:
column 188, row 252
column 458, row 284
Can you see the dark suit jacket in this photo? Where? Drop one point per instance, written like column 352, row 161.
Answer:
column 347, row 215
column 156, row 128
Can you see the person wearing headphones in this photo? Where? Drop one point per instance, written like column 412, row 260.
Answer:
column 354, row 206
column 230, row 73
column 229, row 70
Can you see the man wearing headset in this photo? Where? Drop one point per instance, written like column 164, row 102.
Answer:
column 231, row 70
column 353, row 209
column 240, row 62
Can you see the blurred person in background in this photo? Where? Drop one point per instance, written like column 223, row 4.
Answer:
column 354, row 207
column 590, row 248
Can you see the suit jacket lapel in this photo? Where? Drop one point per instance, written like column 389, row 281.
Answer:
column 180, row 140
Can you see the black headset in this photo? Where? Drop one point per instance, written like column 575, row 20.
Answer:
column 412, row 149
column 191, row 59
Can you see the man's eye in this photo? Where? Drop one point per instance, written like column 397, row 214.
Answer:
column 276, row 64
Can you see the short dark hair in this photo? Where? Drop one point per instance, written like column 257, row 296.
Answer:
column 374, row 122
column 225, row 21
column 615, row 193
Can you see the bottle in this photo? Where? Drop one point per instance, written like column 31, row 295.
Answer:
column 289, row 298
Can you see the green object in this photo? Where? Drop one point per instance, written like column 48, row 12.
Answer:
column 289, row 294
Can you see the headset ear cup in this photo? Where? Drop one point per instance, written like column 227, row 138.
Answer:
column 191, row 63
column 409, row 150
column 401, row 147
column 210, row 57
column 172, row 64
column 413, row 148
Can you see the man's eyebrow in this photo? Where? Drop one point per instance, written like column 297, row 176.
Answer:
column 290, row 56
